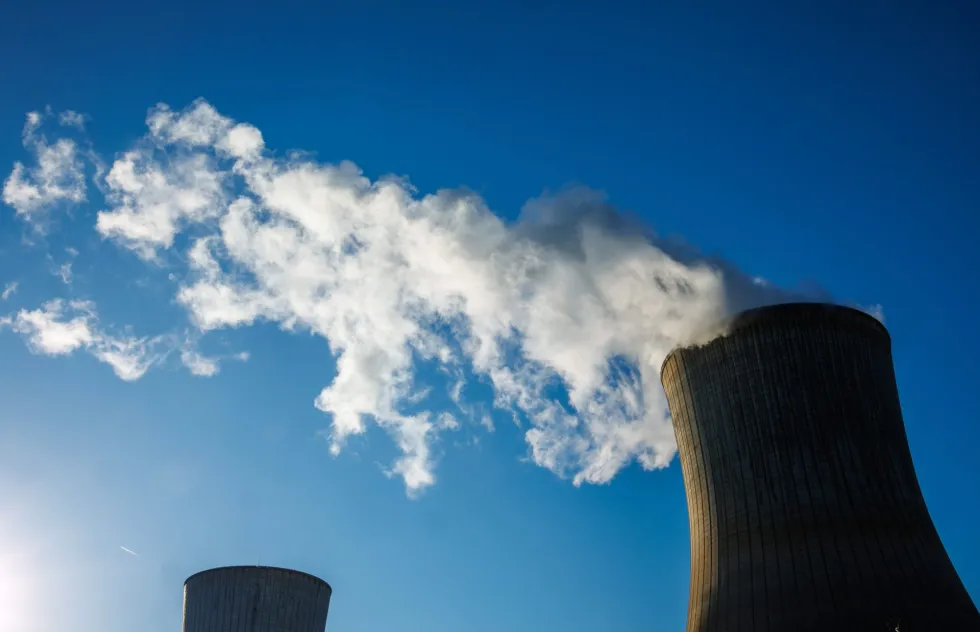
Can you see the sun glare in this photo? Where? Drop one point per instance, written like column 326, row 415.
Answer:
column 16, row 588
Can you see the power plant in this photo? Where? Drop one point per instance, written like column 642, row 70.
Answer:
column 255, row 599
column 805, row 511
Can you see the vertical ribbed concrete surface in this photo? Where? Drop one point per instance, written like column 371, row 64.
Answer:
column 805, row 512
column 255, row 599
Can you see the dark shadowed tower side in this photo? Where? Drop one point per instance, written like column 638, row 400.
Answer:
column 805, row 511
column 255, row 599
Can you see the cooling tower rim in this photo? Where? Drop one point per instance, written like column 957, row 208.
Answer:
column 255, row 567
column 788, row 312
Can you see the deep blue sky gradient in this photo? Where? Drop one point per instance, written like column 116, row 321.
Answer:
column 815, row 142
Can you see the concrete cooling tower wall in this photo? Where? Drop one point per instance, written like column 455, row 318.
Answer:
column 255, row 599
column 805, row 512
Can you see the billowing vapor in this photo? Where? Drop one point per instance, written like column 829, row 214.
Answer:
column 567, row 313
column 57, row 176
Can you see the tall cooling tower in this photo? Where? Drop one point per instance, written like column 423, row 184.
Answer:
column 255, row 599
column 805, row 512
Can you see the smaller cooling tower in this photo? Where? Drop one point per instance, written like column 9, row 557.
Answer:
column 255, row 599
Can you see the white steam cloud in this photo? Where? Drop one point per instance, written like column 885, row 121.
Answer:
column 567, row 314
column 70, row 118
column 9, row 290
column 57, row 177
column 62, row 327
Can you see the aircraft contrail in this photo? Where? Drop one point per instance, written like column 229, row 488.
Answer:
column 130, row 551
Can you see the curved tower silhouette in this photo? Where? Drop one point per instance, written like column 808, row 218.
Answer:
column 805, row 511
column 255, row 599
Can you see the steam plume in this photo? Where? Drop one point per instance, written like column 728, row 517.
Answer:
column 567, row 314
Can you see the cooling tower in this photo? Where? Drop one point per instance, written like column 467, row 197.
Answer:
column 255, row 599
column 805, row 512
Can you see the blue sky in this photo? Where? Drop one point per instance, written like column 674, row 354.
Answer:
column 835, row 146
